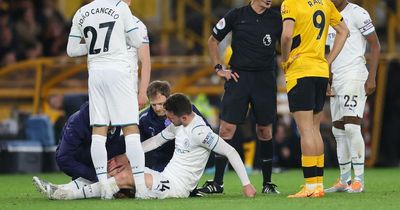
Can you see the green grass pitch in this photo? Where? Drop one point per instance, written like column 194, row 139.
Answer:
column 382, row 192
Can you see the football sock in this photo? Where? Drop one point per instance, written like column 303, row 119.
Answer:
column 343, row 154
column 320, row 170
column 353, row 133
column 99, row 156
column 266, row 153
column 94, row 190
column 135, row 153
column 309, row 164
column 78, row 183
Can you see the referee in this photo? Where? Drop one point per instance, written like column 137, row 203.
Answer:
column 251, row 80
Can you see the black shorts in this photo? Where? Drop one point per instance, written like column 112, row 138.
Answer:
column 308, row 94
column 257, row 89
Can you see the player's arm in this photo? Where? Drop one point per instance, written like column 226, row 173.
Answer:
column 286, row 38
column 367, row 29
column 289, row 15
column 74, row 46
column 337, row 23
column 158, row 140
column 208, row 139
column 341, row 35
column 219, row 32
column 375, row 52
column 144, row 57
column 213, row 50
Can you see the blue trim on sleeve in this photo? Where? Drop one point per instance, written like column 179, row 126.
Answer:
column 164, row 137
column 197, row 127
column 75, row 36
column 118, row 3
column 132, row 29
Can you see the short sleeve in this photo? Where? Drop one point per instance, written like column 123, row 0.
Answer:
column 168, row 133
column 225, row 25
column 288, row 10
column 335, row 17
column 76, row 27
column 142, row 30
column 364, row 22
column 131, row 27
column 205, row 137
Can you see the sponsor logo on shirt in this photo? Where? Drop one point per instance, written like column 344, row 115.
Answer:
column 209, row 139
column 182, row 151
column 221, row 24
column 267, row 40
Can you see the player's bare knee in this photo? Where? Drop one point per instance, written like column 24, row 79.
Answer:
column 226, row 131
column 264, row 133
column 100, row 130
column 130, row 129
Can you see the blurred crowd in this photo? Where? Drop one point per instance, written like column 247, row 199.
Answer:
column 31, row 29
column 34, row 28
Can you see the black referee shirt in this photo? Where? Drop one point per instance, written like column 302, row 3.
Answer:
column 253, row 38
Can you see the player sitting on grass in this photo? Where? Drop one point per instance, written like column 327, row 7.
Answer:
column 193, row 144
column 73, row 152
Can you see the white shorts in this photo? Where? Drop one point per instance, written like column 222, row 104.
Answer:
column 113, row 97
column 165, row 187
column 349, row 100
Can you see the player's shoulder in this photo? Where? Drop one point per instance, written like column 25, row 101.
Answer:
column 139, row 23
column 144, row 114
column 199, row 125
column 357, row 10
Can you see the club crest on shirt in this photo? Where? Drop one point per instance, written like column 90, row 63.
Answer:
column 209, row 139
column 186, row 144
column 267, row 40
column 221, row 24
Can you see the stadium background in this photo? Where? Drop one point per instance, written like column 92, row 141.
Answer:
column 37, row 78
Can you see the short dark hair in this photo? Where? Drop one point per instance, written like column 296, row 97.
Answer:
column 179, row 104
column 157, row 86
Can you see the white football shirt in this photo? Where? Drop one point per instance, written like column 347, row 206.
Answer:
column 193, row 144
column 144, row 39
column 350, row 63
column 107, row 27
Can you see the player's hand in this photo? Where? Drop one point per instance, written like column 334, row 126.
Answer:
column 369, row 86
column 142, row 100
column 286, row 64
column 228, row 74
column 249, row 191
column 329, row 91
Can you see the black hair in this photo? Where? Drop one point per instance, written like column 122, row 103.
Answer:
column 157, row 86
column 179, row 104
